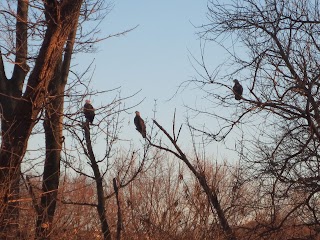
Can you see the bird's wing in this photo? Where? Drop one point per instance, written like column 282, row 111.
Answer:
column 88, row 110
column 237, row 88
column 240, row 88
column 143, row 126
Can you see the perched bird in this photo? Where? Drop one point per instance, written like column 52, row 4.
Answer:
column 237, row 90
column 88, row 111
column 140, row 126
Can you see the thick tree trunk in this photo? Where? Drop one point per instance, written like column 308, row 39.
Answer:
column 100, row 191
column 11, row 91
column 50, row 183
column 53, row 126
column 18, row 120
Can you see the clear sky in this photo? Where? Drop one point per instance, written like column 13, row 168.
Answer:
column 153, row 58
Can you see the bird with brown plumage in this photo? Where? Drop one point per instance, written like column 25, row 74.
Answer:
column 237, row 90
column 140, row 126
column 88, row 111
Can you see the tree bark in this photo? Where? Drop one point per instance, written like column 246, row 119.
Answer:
column 53, row 126
column 20, row 111
column 10, row 91
column 98, row 178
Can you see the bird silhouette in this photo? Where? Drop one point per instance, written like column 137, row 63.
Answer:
column 237, row 90
column 140, row 126
column 88, row 111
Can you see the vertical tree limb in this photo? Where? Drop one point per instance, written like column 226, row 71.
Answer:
column 119, row 215
column 53, row 126
column 20, row 120
column 98, row 178
column 21, row 68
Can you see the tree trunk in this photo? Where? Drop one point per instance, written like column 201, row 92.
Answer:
column 11, row 91
column 50, row 183
column 119, row 215
column 19, row 119
column 53, row 126
column 98, row 178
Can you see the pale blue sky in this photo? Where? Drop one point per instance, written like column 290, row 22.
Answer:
column 153, row 57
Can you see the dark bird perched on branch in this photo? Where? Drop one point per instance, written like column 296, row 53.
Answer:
column 140, row 126
column 88, row 111
column 237, row 90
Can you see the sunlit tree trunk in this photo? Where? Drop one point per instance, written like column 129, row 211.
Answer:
column 53, row 126
column 19, row 117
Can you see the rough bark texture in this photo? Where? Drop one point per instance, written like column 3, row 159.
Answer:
column 53, row 126
column 10, row 91
column 53, row 138
column 20, row 110
column 100, row 191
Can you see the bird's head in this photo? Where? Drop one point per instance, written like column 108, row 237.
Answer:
column 235, row 81
column 88, row 101
column 137, row 113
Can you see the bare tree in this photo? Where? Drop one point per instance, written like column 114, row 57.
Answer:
column 273, row 50
column 54, row 139
column 40, row 36
column 105, row 166
column 20, row 109
column 199, row 173
column 100, row 190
